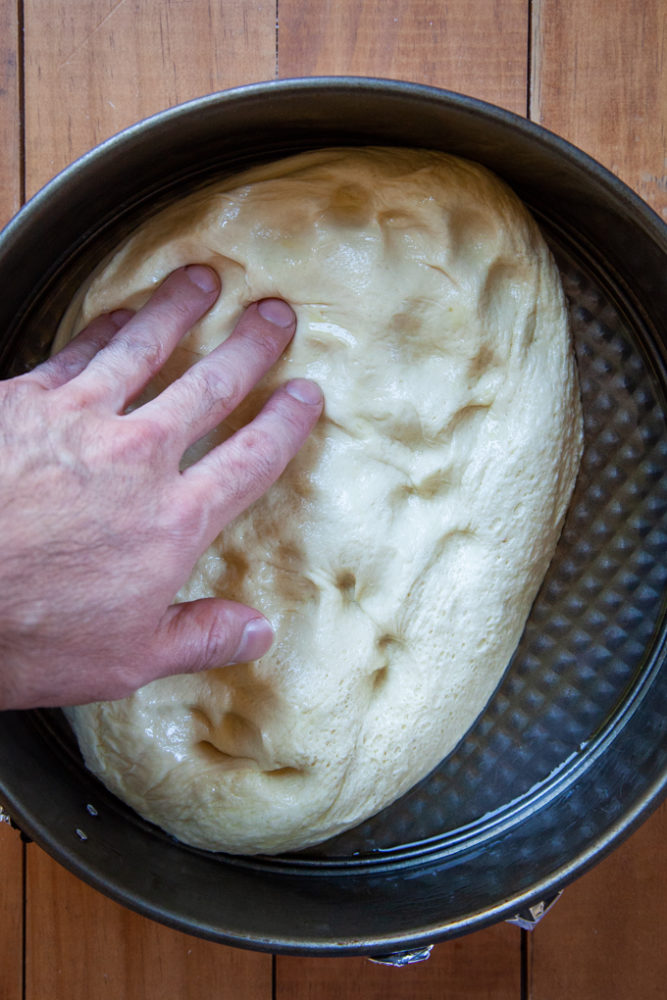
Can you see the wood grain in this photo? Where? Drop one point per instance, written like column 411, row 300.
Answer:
column 83, row 946
column 446, row 45
column 442, row 44
column 93, row 68
column 10, row 146
column 605, row 938
column 598, row 77
column 485, row 964
column 600, row 80
column 11, row 848
column 11, row 914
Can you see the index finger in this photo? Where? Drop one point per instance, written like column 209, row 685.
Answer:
column 213, row 387
column 118, row 373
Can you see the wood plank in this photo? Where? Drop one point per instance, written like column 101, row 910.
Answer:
column 93, row 68
column 83, row 946
column 10, row 137
column 600, row 80
column 479, row 49
column 11, row 848
column 484, row 964
column 11, row 914
column 605, row 937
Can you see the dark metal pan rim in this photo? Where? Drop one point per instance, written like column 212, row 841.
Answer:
column 426, row 935
column 479, row 832
column 538, row 135
column 398, row 862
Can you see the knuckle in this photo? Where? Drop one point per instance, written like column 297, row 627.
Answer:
column 66, row 365
column 217, row 388
column 266, row 342
column 178, row 302
column 187, row 519
column 260, row 454
column 295, row 418
column 131, row 672
column 200, row 636
column 208, row 393
column 152, row 354
column 147, row 355
column 214, row 648
column 139, row 440
column 130, row 352
column 176, row 313
column 21, row 421
column 16, row 394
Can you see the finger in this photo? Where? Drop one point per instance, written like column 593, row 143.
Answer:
column 73, row 358
column 238, row 472
column 118, row 373
column 209, row 391
column 208, row 633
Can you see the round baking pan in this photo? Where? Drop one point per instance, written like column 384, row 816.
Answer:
column 570, row 754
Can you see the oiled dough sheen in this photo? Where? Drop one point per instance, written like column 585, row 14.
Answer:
column 399, row 554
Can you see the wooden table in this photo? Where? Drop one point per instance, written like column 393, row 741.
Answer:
column 72, row 72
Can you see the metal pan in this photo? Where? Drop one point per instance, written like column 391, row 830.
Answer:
column 571, row 753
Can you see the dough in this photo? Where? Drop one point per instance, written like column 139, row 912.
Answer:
column 399, row 554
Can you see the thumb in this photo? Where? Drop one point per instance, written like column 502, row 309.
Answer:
column 210, row 632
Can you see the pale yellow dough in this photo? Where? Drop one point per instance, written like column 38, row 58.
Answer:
column 400, row 553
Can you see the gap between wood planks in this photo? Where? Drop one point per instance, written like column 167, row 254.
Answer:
column 20, row 50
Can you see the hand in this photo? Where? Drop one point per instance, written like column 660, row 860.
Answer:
column 98, row 527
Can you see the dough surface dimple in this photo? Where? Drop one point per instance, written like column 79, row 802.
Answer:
column 399, row 554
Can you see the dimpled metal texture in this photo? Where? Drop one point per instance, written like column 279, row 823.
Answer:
column 588, row 641
column 594, row 623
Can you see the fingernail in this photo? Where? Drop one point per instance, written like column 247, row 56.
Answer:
column 119, row 317
column 304, row 390
column 255, row 641
column 203, row 277
column 276, row 311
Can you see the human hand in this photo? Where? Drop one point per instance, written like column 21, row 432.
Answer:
column 98, row 527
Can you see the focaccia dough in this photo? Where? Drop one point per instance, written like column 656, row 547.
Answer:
column 399, row 554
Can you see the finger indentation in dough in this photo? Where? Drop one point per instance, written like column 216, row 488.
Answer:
column 379, row 677
column 388, row 639
column 429, row 487
column 235, row 571
column 211, row 754
column 398, row 219
column 284, row 772
column 234, row 738
column 346, row 582
column 351, row 206
column 483, row 361
column 467, row 421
